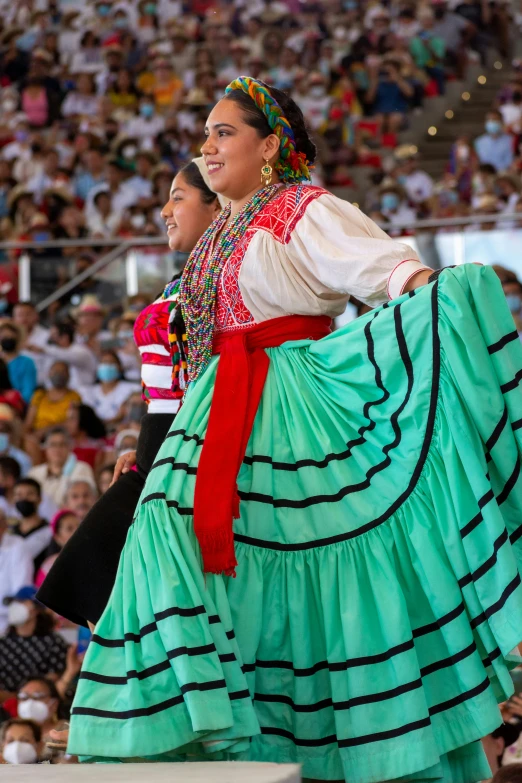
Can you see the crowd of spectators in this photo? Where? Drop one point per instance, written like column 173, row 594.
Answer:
column 483, row 174
column 101, row 102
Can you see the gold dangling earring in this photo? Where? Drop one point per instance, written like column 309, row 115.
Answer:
column 266, row 174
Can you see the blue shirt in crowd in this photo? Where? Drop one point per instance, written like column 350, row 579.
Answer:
column 496, row 150
column 22, row 374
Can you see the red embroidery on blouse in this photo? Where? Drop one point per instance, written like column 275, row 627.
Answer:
column 279, row 218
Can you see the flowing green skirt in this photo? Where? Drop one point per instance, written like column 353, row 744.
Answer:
column 378, row 597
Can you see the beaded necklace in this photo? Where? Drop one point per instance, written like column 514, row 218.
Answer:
column 198, row 290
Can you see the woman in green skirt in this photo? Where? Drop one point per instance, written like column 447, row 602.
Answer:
column 323, row 567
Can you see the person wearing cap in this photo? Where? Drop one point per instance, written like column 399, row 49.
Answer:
column 30, row 645
column 89, row 316
column 16, row 568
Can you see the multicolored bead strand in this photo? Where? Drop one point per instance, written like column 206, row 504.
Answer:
column 198, row 290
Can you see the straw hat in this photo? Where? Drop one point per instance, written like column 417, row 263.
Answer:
column 18, row 192
column 89, row 304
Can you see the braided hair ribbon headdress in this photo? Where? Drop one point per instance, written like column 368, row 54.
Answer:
column 292, row 166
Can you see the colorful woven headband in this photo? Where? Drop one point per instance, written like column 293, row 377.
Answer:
column 292, row 166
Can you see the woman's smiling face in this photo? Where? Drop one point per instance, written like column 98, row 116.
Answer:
column 234, row 152
column 186, row 215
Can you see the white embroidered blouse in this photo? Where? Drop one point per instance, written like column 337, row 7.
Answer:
column 305, row 253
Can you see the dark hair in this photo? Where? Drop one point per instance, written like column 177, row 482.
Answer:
column 49, row 684
column 30, row 482
column 25, row 303
column 5, row 382
column 511, row 773
column 257, row 120
column 44, row 626
column 35, row 728
column 10, row 467
column 193, row 177
column 65, row 329
column 89, row 422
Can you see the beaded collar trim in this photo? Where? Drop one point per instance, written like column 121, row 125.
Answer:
column 198, row 289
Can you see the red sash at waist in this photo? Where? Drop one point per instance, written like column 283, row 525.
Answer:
column 240, row 378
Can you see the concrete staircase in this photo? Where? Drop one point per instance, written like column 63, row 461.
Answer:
column 467, row 118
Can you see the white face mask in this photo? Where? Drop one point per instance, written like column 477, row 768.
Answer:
column 317, row 91
column 20, row 753
column 31, row 709
column 17, row 613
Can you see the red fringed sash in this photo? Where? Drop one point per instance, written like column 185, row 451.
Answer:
column 240, row 378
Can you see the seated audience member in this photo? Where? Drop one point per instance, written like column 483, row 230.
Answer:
column 511, row 773
column 62, row 347
column 21, row 369
column 61, row 466
column 49, row 407
column 87, row 432
column 29, row 645
column 26, row 317
column 90, row 332
column 63, row 524
column 9, row 474
column 133, row 410
column 126, row 440
column 9, row 395
column 35, row 532
column 80, row 497
column 16, row 568
column 105, row 477
column 394, row 206
column 39, row 700
column 495, row 146
column 20, row 742
column 7, row 449
column 107, row 396
column 128, row 352
column 496, row 743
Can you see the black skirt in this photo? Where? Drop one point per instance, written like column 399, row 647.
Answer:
column 80, row 582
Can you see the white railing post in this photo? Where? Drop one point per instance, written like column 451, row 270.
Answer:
column 24, row 277
column 131, row 272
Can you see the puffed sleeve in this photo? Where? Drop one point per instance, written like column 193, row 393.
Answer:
column 347, row 252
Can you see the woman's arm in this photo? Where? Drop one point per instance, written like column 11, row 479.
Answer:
column 419, row 279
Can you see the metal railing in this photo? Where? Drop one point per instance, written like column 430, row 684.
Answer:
column 425, row 235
